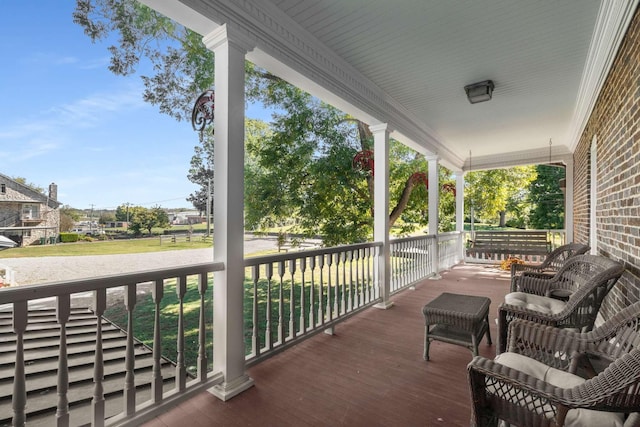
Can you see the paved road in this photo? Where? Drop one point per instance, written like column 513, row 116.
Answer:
column 53, row 269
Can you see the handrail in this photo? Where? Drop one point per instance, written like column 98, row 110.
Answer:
column 52, row 289
column 248, row 262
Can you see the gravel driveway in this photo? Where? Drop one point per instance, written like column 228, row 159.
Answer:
column 57, row 268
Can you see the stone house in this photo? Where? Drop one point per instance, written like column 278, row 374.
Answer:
column 26, row 215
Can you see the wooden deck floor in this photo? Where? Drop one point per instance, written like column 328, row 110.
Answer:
column 370, row 373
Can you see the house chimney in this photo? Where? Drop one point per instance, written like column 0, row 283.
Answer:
column 53, row 191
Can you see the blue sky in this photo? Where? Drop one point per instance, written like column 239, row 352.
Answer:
column 65, row 118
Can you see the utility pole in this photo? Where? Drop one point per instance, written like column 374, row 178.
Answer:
column 91, row 220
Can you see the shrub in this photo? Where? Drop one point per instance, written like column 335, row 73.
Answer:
column 68, row 237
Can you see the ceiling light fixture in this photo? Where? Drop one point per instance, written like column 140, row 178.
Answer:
column 479, row 92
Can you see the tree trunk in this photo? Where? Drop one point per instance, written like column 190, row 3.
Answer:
column 503, row 218
column 402, row 203
column 365, row 135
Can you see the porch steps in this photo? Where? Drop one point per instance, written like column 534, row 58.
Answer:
column 41, row 344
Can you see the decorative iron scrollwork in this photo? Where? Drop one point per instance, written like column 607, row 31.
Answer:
column 203, row 111
column 363, row 160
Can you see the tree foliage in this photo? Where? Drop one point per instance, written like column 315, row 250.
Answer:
column 31, row 185
column 492, row 192
column 122, row 212
column 182, row 66
column 68, row 217
column 141, row 218
column 546, row 198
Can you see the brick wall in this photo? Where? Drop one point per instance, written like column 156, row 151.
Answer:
column 615, row 122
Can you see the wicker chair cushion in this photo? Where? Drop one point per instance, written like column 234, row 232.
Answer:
column 558, row 378
column 537, row 303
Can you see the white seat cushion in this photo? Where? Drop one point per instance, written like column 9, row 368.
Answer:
column 538, row 303
column 562, row 379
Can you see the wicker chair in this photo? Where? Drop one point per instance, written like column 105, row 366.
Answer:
column 535, row 383
column 586, row 279
column 552, row 263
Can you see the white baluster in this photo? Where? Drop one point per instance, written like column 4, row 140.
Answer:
column 303, row 307
column 97, row 403
column 292, row 299
column 343, row 301
column 365, row 274
column 349, row 259
column 359, row 289
column 19, row 399
column 329, row 313
column 157, row 293
column 281, row 303
column 312, row 291
column 268, row 333
column 203, row 284
column 63, row 309
column 129, row 378
column 181, row 371
column 375, row 254
column 255, row 335
column 321, row 290
column 367, row 257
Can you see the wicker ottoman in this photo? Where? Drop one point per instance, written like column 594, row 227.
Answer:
column 456, row 319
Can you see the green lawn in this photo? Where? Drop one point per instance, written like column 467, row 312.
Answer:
column 108, row 247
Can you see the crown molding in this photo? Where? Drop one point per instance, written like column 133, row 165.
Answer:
column 539, row 156
column 611, row 26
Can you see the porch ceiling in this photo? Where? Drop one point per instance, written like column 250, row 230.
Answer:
column 406, row 63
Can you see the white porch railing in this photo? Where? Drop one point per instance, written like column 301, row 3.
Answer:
column 288, row 297
column 62, row 294
column 310, row 291
column 411, row 260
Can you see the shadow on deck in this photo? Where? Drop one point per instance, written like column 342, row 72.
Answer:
column 370, row 373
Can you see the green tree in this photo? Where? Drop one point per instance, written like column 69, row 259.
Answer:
column 201, row 173
column 106, row 217
column 31, row 185
column 141, row 218
column 546, row 198
column 182, row 66
column 123, row 212
column 68, row 217
column 491, row 192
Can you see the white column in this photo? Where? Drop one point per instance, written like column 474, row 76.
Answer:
column 568, row 199
column 228, row 216
column 381, row 209
column 434, row 202
column 460, row 212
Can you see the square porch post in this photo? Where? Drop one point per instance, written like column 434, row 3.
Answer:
column 381, row 210
column 228, row 232
column 434, row 202
column 568, row 199
column 460, row 212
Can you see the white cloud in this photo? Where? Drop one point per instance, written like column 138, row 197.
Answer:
column 96, row 63
column 50, row 58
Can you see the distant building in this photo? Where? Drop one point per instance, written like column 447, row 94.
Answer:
column 116, row 224
column 26, row 215
column 186, row 217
